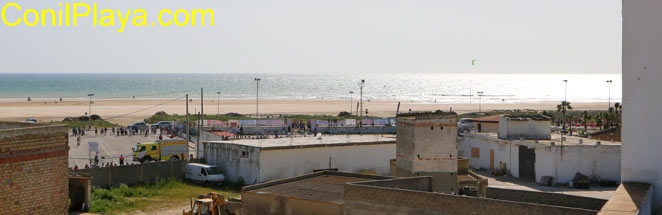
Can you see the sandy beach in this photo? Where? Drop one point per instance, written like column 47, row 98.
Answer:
column 130, row 111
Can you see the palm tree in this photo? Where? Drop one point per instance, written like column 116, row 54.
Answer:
column 563, row 108
column 586, row 116
column 618, row 108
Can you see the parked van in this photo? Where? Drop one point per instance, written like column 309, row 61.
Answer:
column 203, row 173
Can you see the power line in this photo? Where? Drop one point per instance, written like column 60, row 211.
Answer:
column 147, row 108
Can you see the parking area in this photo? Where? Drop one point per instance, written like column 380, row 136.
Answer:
column 110, row 148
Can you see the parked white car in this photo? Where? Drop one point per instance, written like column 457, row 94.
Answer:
column 203, row 173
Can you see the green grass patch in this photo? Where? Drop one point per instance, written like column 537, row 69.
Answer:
column 154, row 196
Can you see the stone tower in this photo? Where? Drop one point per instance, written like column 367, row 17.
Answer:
column 427, row 146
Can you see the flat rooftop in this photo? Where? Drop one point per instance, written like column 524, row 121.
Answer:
column 326, row 186
column 302, row 142
column 556, row 138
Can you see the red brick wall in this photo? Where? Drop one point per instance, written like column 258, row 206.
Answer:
column 33, row 170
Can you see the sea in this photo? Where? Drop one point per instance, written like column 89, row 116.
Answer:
column 424, row 88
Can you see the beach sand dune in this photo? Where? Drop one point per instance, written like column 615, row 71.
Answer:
column 136, row 110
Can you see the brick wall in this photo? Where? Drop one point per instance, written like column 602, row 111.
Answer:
column 545, row 198
column 33, row 169
column 364, row 199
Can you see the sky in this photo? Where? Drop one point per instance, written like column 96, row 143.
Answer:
column 322, row 36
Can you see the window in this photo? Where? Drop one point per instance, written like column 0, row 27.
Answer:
column 142, row 148
column 202, row 171
column 475, row 152
column 244, row 154
column 153, row 148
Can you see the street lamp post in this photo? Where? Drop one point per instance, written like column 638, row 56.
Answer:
column 257, row 97
column 89, row 113
column 361, row 104
column 565, row 106
column 361, row 97
column 218, row 103
column 350, row 102
column 480, row 101
column 609, row 99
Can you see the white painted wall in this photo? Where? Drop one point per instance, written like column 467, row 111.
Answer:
column 531, row 129
column 597, row 162
column 601, row 162
column 278, row 164
column 642, row 97
column 228, row 158
column 504, row 151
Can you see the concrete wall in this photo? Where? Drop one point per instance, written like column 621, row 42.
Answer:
column 283, row 163
column 228, row 157
column 486, row 126
column 33, row 168
column 365, row 199
column 529, row 129
column 597, row 162
column 545, row 198
column 642, row 72
column 259, row 204
column 355, row 130
column 133, row 174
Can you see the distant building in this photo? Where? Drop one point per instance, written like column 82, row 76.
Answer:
column 262, row 160
column 525, row 126
column 33, row 168
column 525, row 148
column 486, row 123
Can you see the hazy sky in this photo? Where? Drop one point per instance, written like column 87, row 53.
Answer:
column 331, row 36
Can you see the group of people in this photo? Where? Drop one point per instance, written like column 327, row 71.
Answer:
column 95, row 163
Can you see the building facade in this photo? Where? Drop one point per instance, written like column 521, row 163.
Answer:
column 427, row 146
column 255, row 161
column 33, row 168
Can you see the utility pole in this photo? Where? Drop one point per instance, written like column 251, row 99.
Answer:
column 188, row 133
column 197, row 145
column 202, row 117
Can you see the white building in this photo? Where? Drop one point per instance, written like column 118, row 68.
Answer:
column 642, row 97
column 532, row 159
column 257, row 161
column 525, row 126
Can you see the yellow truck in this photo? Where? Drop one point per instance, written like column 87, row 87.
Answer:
column 172, row 149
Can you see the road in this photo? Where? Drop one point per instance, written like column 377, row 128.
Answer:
column 110, row 148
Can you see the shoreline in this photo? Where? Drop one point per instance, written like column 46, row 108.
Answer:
column 46, row 110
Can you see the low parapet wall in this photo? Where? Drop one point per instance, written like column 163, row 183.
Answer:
column 366, row 198
column 545, row 198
